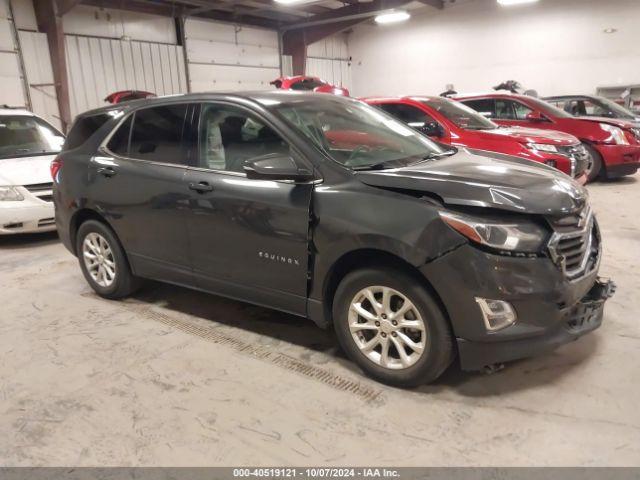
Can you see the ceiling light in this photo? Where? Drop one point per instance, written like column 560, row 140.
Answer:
column 393, row 17
column 515, row 2
column 610, row 30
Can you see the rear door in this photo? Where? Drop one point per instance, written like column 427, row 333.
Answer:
column 248, row 238
column 138, row 184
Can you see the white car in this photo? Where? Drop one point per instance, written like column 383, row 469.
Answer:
column 28, row 144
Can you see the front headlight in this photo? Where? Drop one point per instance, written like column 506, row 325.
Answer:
column 10, row 194
column 617, row 134
column 543, row 147
column 504, row 235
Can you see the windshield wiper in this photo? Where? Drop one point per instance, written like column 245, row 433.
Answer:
column 378, row 166
column 436, row 155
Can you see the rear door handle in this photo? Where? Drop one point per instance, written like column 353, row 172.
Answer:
column 201, row 187
column 107, row 171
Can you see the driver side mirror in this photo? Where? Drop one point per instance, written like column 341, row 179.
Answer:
column 536, row 116
column 276, row 166
column 432, row 129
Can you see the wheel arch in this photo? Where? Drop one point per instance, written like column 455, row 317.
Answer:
column 79, row 218
column 371, row 257
column 593, row 146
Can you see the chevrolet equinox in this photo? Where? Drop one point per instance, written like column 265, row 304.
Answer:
column 327, row 208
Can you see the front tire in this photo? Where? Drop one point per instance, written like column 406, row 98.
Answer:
column 103, row 261
column 595, row 166
column 390, row 325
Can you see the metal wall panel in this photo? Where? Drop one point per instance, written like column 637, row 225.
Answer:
column 112, row 23
column 37, row 66
column 329, row 59
column 12, row 91
column 336, row 72
column 100, row 66
column 226, row 57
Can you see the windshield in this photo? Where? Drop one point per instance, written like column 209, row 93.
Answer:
column 460, row 114
column 611, row 106
column 356, row 135
column 22, row 136
column 548, row 108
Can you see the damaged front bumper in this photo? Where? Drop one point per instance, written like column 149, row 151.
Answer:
column 582, row 318
column 551, row 309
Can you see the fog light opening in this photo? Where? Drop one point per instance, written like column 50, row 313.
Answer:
column 496, row 314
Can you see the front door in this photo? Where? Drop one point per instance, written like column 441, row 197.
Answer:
column 248, row 238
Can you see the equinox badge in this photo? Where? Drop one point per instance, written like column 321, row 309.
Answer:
column 279, row 258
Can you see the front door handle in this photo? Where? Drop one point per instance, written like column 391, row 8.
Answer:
column 201, row 187
column 107, row 171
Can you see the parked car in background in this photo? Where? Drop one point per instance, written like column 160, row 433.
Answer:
column 415, row 252
column 304, row 83
column 593, row 106
column 126, row 95
column 614, row 144
column 28, row 144
column 456, row 124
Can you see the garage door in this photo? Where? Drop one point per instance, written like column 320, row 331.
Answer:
column 329, row 60
column 12, row 91
column 225, row 57
column 37, row 67
column 100, row 66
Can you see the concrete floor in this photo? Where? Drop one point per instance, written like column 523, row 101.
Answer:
column 174, row 377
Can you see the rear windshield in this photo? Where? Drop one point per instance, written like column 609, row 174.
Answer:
column 84, row 128
column 25, row 136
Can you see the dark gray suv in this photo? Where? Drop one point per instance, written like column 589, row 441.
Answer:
column 327, row 208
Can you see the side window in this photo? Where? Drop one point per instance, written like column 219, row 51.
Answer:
column 593, row 110
column 408, row 114
column 520, row 111
column 485, row 107
column 119, row 142
column 229, row 136
column 504, row 110
column 157, row 134
column 565, row 105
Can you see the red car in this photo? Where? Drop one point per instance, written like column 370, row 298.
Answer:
column 308, row 84
column 126, row 95
column 614, row 144
column 456, row 124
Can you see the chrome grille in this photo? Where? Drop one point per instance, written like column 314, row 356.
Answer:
column 580, row 156
column 575, row 244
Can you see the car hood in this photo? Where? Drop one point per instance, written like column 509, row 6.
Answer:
column 486, row 179
column 529, row 135
column 25, row 170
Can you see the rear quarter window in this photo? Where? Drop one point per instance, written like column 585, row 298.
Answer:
column 84, row 128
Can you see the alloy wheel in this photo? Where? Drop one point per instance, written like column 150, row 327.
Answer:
column 387, row 327
column 99, row 260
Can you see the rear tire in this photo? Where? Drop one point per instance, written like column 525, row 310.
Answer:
column 594, row 170
column 103, row 261
column 411, row 320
